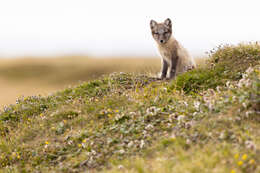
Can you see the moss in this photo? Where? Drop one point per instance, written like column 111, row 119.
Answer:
column 199, row 79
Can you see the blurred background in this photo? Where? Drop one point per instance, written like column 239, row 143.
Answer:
column 47, row 45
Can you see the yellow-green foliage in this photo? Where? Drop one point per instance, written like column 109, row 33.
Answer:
column 226, row 63
column 135, row 123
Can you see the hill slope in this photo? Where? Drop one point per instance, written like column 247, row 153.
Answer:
column 31, row 76
column 207, row 120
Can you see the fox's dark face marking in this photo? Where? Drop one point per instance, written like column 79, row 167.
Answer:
column 161, row 32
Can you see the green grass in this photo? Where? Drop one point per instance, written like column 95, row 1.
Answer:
column 227, row 63
column 207, row 120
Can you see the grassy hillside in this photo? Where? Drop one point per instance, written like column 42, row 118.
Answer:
column 31, row 76
column 34, row 76
column 207, row 120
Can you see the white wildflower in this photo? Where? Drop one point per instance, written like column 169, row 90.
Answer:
column 208, row 102
column 223, row 135
column 130, row 144
column 172, row 117
column 244, row 75
column 181, row 118
column 70, row 142
column 152, row 110
column 197, row 105
column 195, row 113
column 149, row 127
column 244, row 82
column 228, row 84
column 142, row 144
column 93, row 152
column 249, row 70
column 120, row 167
column 244, row 105
column 188, row 141
column 169, row 125
column 250, row 145
column 188, row 125
column 218, row 89
column 122, row 151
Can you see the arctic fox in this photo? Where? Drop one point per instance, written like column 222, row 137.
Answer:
column 175, row 58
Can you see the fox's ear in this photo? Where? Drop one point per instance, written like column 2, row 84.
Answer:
column 153, row 24
column 168, row 22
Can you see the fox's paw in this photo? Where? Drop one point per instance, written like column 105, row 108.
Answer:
column 170, row 78
column 160, row 78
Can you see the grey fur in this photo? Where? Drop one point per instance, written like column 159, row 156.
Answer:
column 164, row 69
column 175, row 58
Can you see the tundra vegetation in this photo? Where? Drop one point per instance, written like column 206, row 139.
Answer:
column 206, row 120
column 35, row 75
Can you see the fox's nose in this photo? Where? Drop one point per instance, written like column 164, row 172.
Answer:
column 161, row 41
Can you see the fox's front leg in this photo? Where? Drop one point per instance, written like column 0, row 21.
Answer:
column 164, row 69
column 173, row 67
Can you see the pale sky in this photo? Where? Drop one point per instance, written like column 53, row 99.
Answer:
column 120, row 27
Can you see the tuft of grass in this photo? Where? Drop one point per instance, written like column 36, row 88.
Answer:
column 226, row 63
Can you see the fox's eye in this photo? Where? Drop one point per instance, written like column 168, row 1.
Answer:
column 156, row 33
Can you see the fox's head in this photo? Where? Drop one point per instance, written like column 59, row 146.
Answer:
column 161, row 31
